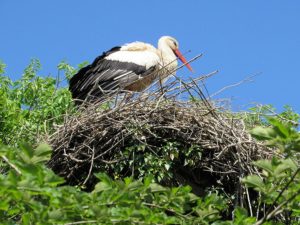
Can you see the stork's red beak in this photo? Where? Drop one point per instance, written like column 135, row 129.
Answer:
column 183, row 60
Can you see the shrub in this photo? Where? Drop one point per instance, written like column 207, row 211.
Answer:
column 31, row 193
column 32, row 105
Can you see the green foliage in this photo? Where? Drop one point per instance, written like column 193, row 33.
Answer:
column 31, row 194
column 2, row 67
column 68, row 70
column 279, row 184
column 161, row 163
column 281, row 135
column 258, row 116
column 290, row 117
column 31, row 105
column 147, row 164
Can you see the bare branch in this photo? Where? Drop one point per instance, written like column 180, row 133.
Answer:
column 11, row 165
column 247, row 79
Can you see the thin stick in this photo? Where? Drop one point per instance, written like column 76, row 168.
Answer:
column 82, row 222
column 11, row 165
column 277, row 209
column 91, row 166
column 269, row 214
column 247, row 79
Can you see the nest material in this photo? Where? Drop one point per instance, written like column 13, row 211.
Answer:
column 96, row 140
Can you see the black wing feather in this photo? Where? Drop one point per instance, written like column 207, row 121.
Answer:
column 98, row 79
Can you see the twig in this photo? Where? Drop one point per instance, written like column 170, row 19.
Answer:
column 247, row 79
column 11, row 165
column 279, row 116
column 153, row 119
column 249, row 201
column 82, row 222
column 269, row 214
column 91, row 166
column 160, row 207
column 277, row 209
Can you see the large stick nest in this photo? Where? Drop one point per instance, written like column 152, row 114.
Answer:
column 179, row 142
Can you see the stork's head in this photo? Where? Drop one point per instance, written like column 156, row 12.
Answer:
column 172, row 43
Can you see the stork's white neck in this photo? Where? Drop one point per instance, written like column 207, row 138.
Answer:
column 168, row 58
column 165, row 49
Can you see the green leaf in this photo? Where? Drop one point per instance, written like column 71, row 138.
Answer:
column 43, row 149
column 27, row 150
column 265, row 165
column 104, row 184
column 42, row 153
column 167, row 166
column 2, row 67
column 253, row 181
column 240, row 214
column 56, row 215
column 157, row 188
column 26, row 219
column 4, row 205
column 281, row 129
column 263, row 133
column 287, row 164
column 53, row 180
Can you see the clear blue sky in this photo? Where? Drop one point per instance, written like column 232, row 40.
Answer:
column 238, row 38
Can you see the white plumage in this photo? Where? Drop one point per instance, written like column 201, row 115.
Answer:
column 143, row 58
column 132, row 67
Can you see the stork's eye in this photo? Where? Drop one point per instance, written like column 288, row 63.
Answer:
column 175, row 43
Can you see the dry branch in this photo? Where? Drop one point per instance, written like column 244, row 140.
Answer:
column 96, row 139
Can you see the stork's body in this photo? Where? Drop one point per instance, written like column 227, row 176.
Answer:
column 131, row 67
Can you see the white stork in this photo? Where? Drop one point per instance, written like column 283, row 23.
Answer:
column 131, row 67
